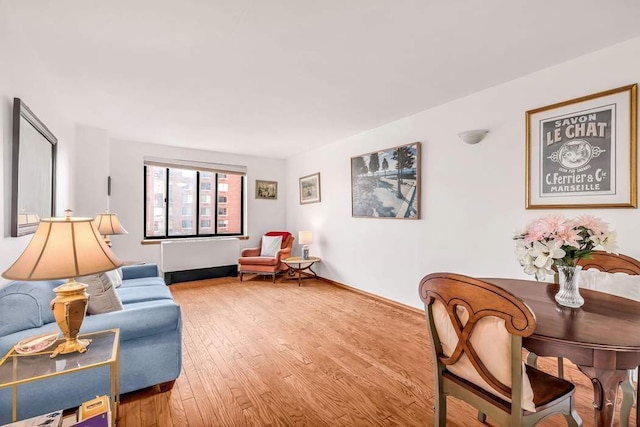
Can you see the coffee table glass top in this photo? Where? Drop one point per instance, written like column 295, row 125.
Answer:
column 16, row 368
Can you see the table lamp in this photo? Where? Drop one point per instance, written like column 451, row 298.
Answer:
column 305, row 238
column 64, row 248
column 108, row 224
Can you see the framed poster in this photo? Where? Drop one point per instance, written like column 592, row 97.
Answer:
column 310, row 189
column 582, row 153
column 266, row 190
column 386, row 183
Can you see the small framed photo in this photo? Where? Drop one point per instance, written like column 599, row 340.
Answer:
column 310, row 189
column 582, row 153
column 266, row 190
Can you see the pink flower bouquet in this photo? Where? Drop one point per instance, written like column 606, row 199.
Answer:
column 555, row 240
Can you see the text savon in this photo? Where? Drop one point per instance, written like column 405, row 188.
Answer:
column 576, row 127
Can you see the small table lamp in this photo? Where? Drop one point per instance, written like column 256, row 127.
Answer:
column 305, row 238
column 108, row 224
column 65, row 248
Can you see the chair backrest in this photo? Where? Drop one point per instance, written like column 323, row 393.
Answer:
column 468, row 303
column 611, row 263
column 617, row 274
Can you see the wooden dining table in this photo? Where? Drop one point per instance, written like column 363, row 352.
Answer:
column 602, row 337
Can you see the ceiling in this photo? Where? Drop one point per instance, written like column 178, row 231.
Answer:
column 279, row 77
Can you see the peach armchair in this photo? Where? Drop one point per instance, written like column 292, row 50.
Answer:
column 252, row 262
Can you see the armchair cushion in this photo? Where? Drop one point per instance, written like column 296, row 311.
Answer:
column 259, row 260
column 270, row 245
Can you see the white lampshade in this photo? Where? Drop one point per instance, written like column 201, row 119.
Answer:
column 63, row 248
column 305, row 237
column 108, row 224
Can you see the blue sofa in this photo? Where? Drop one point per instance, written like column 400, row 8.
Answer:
column 150, row 340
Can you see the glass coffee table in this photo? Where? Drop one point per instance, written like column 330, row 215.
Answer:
column 104, row 350
column 298, row 264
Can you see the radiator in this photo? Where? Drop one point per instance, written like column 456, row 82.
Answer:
column 197, row 255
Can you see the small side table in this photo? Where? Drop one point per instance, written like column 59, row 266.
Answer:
column 17, row 369
column 297, row 264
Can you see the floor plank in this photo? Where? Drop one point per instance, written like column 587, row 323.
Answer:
column 257, row 353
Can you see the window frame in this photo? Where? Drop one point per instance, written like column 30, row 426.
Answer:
column 197, row 190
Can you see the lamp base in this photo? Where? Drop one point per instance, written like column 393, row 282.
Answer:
column 70, row 346
column 69, row 307
column 305, row 252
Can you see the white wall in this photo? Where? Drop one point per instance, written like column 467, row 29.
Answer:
column 472, row 195
column 21, row 76
column 127, row 192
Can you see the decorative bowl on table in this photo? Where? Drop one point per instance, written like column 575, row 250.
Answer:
column 37, row 343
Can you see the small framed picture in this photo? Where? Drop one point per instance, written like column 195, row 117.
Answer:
column 581, row 153
column 310, row 189
column 266, row 190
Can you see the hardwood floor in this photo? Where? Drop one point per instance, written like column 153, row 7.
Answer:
column 257, row 353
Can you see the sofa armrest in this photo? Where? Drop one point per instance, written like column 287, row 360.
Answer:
column 250, row 252
column 140, row 270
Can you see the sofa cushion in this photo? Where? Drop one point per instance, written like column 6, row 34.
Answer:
column 115, row 277
column 143, row 281
column 258, row 260
column 26, row 305
column 103, row 297
column 137, row 320
column 134, row 294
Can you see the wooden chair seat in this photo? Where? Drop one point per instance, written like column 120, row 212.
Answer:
column 548, row 390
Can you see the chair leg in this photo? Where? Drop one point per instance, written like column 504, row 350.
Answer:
column 628, row 398
column 441, row 410
column 560, row 367
column 241, row 274
column 532, row 360
column 573, row 418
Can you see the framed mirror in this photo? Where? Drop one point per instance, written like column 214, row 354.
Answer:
column 33, row 179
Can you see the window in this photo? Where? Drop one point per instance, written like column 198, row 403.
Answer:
column 178, row 202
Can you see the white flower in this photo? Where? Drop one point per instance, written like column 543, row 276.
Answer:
column 545, row 253
column 609, row 241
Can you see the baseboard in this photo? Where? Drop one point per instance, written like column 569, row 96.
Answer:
column 383, row 300
column 201, row 274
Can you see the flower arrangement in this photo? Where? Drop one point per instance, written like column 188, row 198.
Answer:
column 555, row 240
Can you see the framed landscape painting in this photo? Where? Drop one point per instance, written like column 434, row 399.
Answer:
column 386, row 183
column 310, row 189
column 266, row 190
column 582, row 153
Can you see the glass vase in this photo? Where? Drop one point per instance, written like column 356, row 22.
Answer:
column 569, row 293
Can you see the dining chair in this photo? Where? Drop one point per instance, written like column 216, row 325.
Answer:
column 476, row 331
column 609, row 263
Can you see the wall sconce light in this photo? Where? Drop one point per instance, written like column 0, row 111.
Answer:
column 473, row 136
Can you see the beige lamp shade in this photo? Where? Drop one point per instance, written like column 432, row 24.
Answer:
column 305, row 237
column 63, row 248
column 108, row 224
